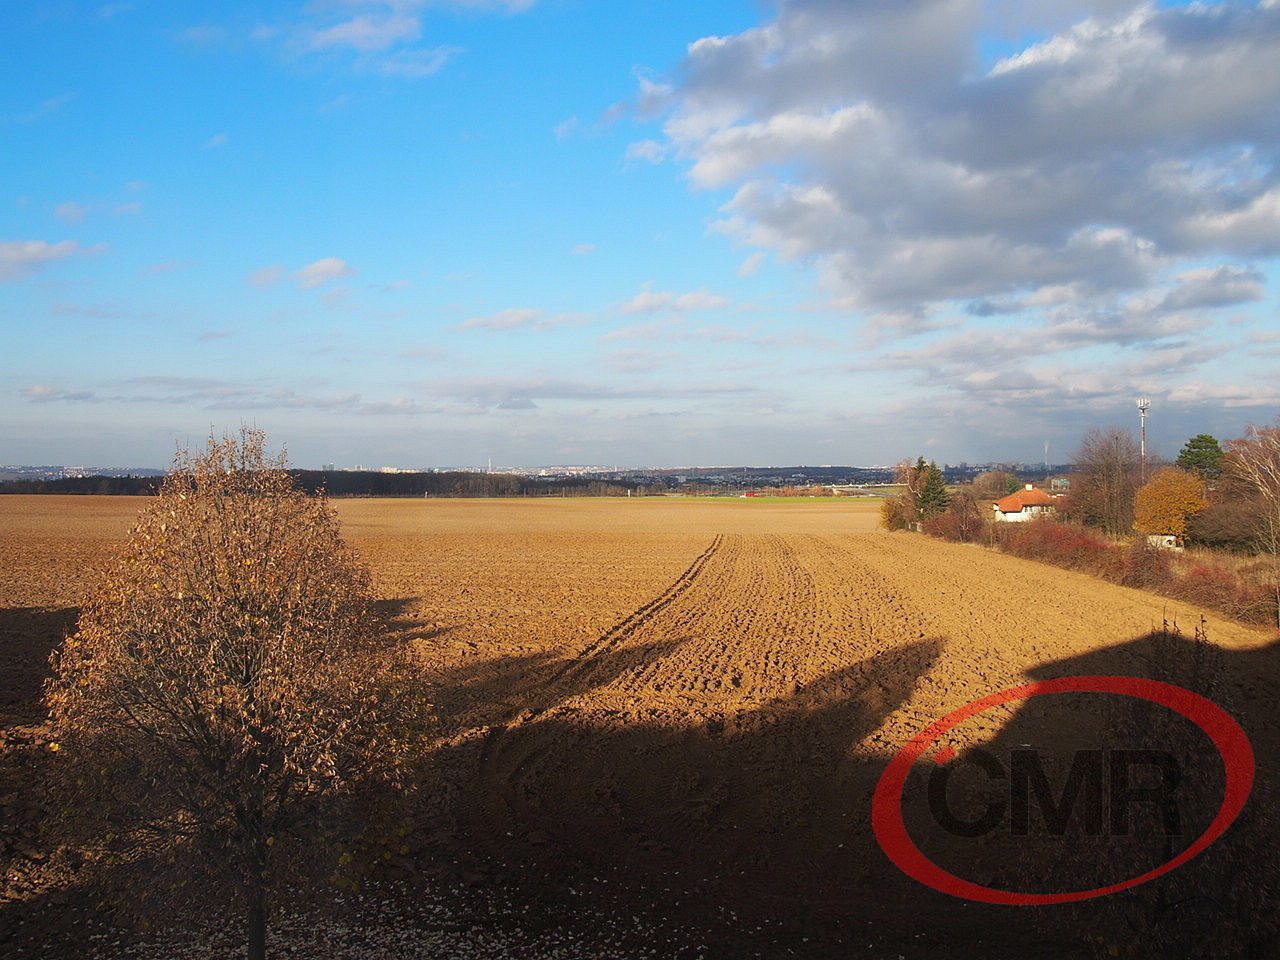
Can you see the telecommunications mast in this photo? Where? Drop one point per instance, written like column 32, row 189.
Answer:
column 1143, row 404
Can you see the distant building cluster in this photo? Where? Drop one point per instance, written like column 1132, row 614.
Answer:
column 28, row 472
column 704, row 480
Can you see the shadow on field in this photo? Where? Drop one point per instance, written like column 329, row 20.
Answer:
column 756, row 827
column 1222, row 903
column 63, row 877
column 751, row 832
column 28, row 636
column 400, row 626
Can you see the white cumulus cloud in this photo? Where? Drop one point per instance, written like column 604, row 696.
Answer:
column 649, row 300
column 367, row 32
column 21, row 258
column 328, row 270
column 869, row 140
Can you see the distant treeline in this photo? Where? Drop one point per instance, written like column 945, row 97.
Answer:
column 357, row 483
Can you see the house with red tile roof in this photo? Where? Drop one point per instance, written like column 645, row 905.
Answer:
column 1026, row 504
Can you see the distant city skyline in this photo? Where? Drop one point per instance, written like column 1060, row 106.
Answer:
column 660, row 234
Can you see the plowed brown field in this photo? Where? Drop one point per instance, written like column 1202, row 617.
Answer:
column 686, row 704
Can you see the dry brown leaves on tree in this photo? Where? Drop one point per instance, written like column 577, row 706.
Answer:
column 231, row 669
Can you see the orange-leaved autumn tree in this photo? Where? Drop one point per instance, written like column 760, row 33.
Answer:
column 230, row 675
column 1164, row 504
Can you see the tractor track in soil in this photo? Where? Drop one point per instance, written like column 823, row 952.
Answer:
column 496, row 784
column 753, row 624
column 618, row 633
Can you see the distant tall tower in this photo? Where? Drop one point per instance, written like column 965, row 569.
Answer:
column 490, row 470
column 1143, row 404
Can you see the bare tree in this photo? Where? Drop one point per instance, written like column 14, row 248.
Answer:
column 970, row 520
column 910, row 476
column 230, row 674
column 1108, row 474
column 1253, row 462
column 994, row 484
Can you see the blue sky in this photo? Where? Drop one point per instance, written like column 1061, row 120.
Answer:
column 429, row 233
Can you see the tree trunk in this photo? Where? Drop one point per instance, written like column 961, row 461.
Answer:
column 257, row 922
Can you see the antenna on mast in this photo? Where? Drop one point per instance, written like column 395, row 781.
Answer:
column 1143, row 404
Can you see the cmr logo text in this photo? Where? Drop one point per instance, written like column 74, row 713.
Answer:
column 1084, row 793
column 1101, row 791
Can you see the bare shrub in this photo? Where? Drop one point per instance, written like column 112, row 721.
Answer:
column 894, row 513
column 1242, row 588
column 1228, row 523
column 961, row 522
column 1062, row 544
